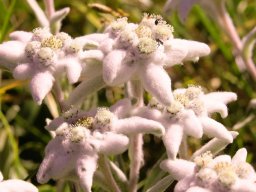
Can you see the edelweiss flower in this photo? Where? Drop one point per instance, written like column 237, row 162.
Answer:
column 143, row 51
column 42, row 57
column 189, row 115
column 81, row 137
column 219, row 174
column 14, row 185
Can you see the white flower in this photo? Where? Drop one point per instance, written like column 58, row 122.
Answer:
column 43, row 57
column 142, row 51
column 81, row 136
column 13, row 185
column 210, row 174
column 189, row 115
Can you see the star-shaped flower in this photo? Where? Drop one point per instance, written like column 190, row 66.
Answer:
column 13, row 185
column 81, row 137
column 142, row 51
column 43, row 57
column 189, row 115
column 219, row 174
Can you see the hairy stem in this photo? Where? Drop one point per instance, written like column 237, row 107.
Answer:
column 135, row 90
column 228, row 25
column 105, row 167
column 136, row 158
column 49, row 8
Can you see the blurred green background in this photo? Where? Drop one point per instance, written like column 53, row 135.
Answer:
column 22, row 133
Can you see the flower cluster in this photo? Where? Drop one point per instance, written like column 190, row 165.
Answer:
column 42, row 57
column 208, row 174
column 189, row 114
column 142, row 51
column 81, row 136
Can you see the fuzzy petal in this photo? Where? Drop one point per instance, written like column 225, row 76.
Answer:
column 95, row 37
column 11, row 53
column 224, row 97
column 111, row 143
column 85, row 171
column 215, row 106
column 240, row 156
column 84, row 89
column 178, row 168
column 192, row 126
column 243, row 185
column 172, row 140
column 197, row 189
column 183, row 184
column 215, row 145
column 56, row 123
column 148, row 113
column 41, row 17
column 175, row 53
column 213, row 128
column 73, row 68
column 22, row 36
column 92, row 54
column 136, row 125
column 23, row 71
column 121, row 108
column 1, row 176
column 14, row 185
column 194, row 49
column 115, row 69
column 59, row 15
column 40, row 85
column 157, row 82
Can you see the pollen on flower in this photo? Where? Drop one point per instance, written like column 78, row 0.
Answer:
column 222, row 166
column 163, row 31
column 103, row 116
column 119, row 24
column 127, row 37
column 74, row 47
column 31, row 48
column 204, row 159
column 61, row 131
column 243, row 169
column 63, row 36
column 85, row 122
column 197, row 105
column 206, row 175
column 182, row 98
column 147, row 45
column 174, row 108
column 193, row 92
column 45, row 55
column 77, row 134
column 227, row 178
column 143, row 31
column 40, row 33
column 52, row 42
column 151, row 20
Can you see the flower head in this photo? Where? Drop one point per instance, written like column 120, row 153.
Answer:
column 138, row 49
column 189, row 114
column 82, row 136
column 217, row 174
column 42, row 57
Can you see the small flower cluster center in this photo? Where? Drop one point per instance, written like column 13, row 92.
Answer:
column 190, row 99
column 225, row 172
column 80, row 128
